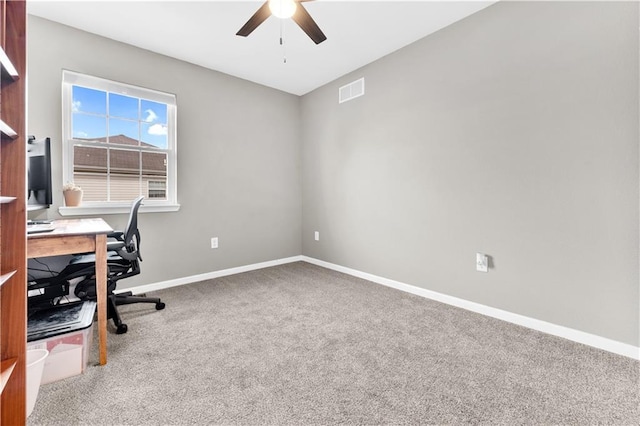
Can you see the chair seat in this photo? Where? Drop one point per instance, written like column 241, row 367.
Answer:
column 112, row 256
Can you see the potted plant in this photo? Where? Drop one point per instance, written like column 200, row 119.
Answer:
column 72, row 194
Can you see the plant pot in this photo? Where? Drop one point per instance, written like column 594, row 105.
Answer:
column 72, row 198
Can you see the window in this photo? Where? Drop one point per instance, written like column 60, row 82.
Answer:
column 119, row 142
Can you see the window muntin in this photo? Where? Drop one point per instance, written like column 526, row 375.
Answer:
column 119, row 141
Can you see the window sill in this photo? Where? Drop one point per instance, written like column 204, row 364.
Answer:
column 116, row 209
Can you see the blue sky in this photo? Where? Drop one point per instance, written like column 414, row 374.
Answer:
column 136, row 118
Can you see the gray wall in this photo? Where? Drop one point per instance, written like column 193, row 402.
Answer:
column 513, row 132
column 238, row 175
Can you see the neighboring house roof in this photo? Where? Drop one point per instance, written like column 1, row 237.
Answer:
column 117, row 140
column 94, row 159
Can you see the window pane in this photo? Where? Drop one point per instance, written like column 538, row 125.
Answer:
column 157, row 189
column 89, row 126
column 123, row 106
column 89, row 100
column 154, row 175
column 153, row 112
column 123, row 132
column 154, row 134
column 124, row 179
column 90, row 172
column 154, row 126
column 154, row 164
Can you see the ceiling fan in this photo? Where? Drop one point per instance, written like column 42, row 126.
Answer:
column 285, row 9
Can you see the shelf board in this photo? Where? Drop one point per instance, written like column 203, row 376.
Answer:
column 6, row 200
column 6, row 368
column 4, row 278
column 6, row 130
column 7, row 66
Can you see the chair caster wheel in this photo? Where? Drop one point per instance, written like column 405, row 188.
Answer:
column 160, row 306
column 122, row 328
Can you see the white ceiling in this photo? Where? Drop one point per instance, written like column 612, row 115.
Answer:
column 203, row 32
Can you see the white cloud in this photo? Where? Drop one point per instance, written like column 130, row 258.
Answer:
column 151, row 116
column 81, row 134
column 158, row 130
column 75, row 106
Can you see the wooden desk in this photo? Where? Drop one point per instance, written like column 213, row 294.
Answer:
column 72, row 236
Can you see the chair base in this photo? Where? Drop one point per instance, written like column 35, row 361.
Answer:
column 115, row 300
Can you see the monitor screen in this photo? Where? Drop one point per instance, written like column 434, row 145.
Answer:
column 39, row 193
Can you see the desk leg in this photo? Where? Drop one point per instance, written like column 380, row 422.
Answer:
column 101, row 292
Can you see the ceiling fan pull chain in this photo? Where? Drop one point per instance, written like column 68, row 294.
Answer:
column 284, row 48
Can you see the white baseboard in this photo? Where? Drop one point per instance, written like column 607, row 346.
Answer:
column 210, row 275
column 535, row 324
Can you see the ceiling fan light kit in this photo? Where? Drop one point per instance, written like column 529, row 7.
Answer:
column 284, row 9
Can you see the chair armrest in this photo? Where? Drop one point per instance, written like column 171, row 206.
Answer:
column 118, row 235
column 115, row 245
column 120, row 248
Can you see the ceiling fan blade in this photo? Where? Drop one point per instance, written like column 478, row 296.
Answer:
column 258, row 18
column 308, row 25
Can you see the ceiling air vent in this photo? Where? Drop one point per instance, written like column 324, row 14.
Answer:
column 351, row 90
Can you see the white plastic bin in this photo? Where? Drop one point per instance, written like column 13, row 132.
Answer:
column 68, row 354
column 35, row 366
column 65, row 331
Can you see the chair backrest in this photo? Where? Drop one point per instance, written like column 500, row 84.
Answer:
column 132, row 226
column 127, row 247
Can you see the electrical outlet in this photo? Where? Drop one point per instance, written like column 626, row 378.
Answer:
column 316, row 236
column 482, row 262
column 214, row 242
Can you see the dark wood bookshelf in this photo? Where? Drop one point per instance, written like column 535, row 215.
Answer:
column 13, row 236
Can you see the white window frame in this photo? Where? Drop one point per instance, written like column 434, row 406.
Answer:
column 69, row 79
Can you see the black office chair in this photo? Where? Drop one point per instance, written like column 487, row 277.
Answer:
column 123, row 261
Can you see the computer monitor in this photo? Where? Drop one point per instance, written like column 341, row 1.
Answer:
column 39, row 192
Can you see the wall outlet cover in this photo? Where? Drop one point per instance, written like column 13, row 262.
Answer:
column 482, row 262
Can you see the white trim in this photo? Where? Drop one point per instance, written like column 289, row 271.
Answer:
column 535, row 324
column 210, row 275
column 99, row 83
column 116, row 209
column 532, row 323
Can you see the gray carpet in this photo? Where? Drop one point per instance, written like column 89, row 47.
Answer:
column 299, row 344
